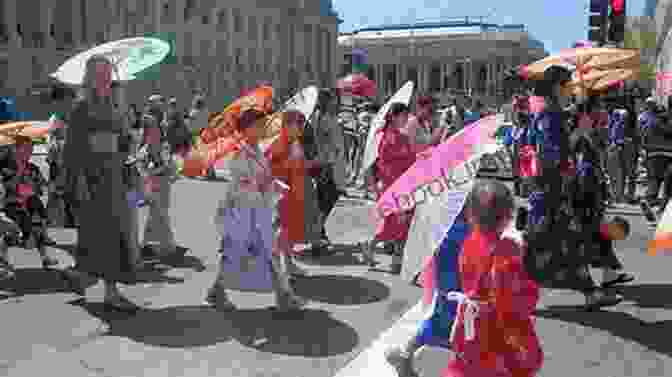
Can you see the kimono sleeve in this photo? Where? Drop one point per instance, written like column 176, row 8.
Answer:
column 516, row 295
column 391, row 148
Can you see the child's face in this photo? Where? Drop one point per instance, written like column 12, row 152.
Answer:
column 616, row 231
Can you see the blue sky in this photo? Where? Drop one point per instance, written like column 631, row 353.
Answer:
column 557, row 23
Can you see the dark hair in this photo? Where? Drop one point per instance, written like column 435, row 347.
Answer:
column 585, row 146
column 623, row 223
column 489, row 203
column 425, row 101
column 249, row 118
column 395, row 109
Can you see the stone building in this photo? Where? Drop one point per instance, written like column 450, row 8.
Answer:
column 223, row 46
column 449, row 58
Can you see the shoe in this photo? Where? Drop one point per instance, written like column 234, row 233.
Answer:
column 401, row 362
column 599, row 299
column 72, row 280
column 291, row 302
column 648, row 212
column 46, row 240
column 219, row 300
column 6, row 270
column 367, row 254
column 621, row 279
column 120, row 304
column 48, row 262
column 296, row 271
column 149, row 252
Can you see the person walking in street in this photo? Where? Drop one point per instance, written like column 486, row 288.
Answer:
column 396, row 154
column 250, row 225
column 494, row 332
column 159, row 174
column 95, row 178
column 658, row 146
column 439, row 278
column 618, row 154
column 24, row 185
column 331, row 152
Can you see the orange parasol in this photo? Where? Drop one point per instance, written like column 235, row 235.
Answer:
column 31, row 129
column 585, row 59
column 597, row 80
column 221, row 137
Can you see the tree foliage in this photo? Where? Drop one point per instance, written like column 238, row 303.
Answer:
column 645, row 42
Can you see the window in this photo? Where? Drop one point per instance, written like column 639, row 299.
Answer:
column 37, row 39
column 238, row 58
column 205, row 19
column 237, row 21
column 252, row 28
column 435, row 78
column 83, row 14
column 189, row 7
column 221, row 20
column 266, row 31
column 19, row 30
column 205, row 47
column 37, row 68
column 100, row 37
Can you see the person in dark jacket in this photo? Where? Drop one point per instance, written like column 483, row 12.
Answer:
column 658, row 145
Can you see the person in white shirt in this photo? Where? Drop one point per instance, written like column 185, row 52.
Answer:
column 331, row 151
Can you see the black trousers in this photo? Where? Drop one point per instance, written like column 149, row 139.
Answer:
column 327, row 193
column 659, row 171
column 54, row 172
column 23, row 216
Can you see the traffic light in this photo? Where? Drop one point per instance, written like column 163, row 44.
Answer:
column 616, row 21
column 597, row 20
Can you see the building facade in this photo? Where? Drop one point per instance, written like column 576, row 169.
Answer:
column 223, row 46
column 450, row 58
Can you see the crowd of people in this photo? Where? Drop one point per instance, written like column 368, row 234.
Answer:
column 570, row 161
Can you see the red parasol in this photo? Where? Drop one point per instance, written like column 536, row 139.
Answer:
column 356, row 84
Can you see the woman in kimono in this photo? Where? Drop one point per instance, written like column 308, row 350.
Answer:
column 289, row 165
column 439, row 278
column 493, row 334
column 396, row 154
column 25, row 184
column 95, row 182
column 159, row 172
column 248, row 224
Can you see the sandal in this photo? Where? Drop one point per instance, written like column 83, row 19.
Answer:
column 120, row 304
column 621, row 279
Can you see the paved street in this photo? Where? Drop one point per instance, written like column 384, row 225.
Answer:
column 352, row 317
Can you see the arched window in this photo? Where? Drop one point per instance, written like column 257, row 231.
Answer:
column 458, row 77
column 482, row 79
column 435, row 78
column 371, row 74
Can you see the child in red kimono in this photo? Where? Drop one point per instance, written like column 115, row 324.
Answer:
column 493, row 334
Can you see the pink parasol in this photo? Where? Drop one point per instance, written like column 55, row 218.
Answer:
column 356, row 84
column 454, row 160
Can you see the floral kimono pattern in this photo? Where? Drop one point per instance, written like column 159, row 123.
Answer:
column 494, row 332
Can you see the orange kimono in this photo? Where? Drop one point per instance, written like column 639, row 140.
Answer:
column 494, row 331
column 289, row 165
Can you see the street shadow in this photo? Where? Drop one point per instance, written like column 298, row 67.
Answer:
column 184, row 261
column 173, row 327
column 149, row 271
column 37, row 281
column 341, row 289
column 647, row 295
column 651, row 335
column 306, row 333
column 335, row 255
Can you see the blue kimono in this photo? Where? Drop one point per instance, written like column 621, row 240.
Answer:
column 435, row 330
